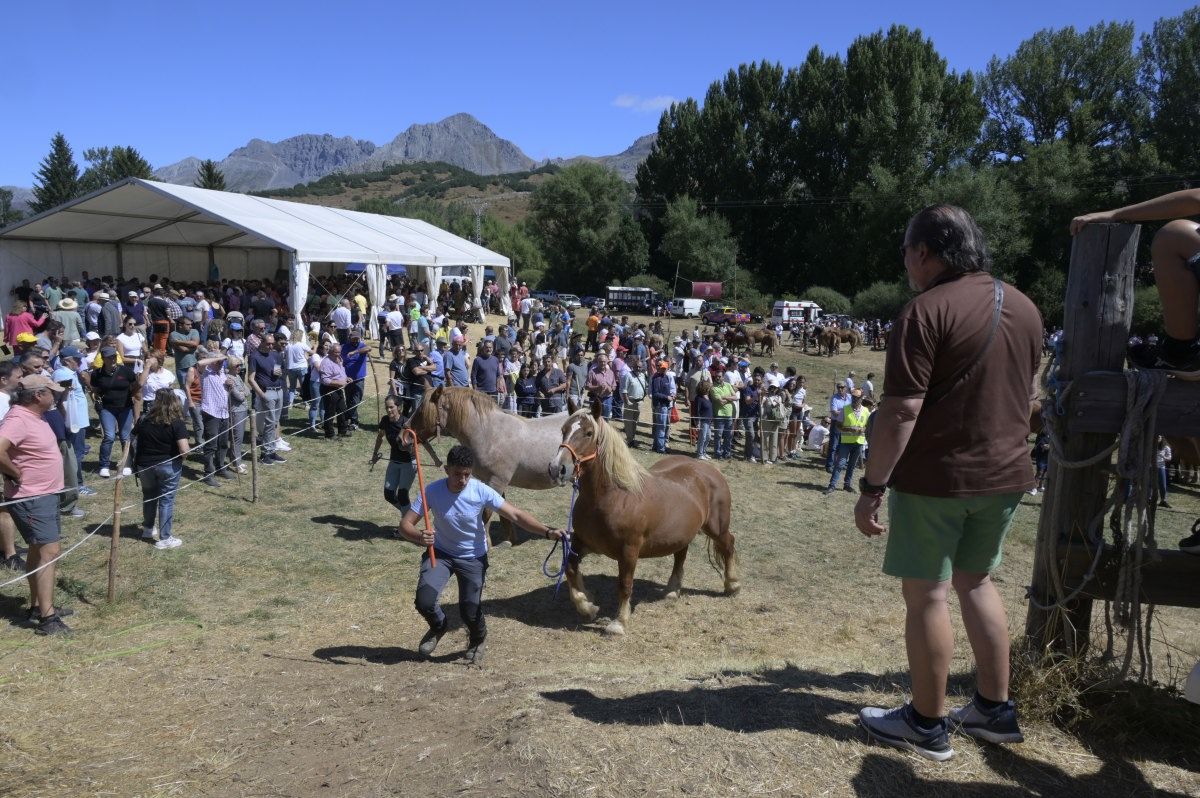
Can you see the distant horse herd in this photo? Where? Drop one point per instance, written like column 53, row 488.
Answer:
column 826, row 340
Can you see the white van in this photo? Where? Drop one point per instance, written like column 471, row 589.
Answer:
column 682, row 308
column 784, row 312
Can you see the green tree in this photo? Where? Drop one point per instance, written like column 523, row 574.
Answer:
column 8, row 214
column 700, row 246
column 830, row 301
column 657, row 284
column 1147, row 310
column 1170, row 54
column 57, row 179
column 208, row 175
column 107, row 165
column 881, row 300
column 1061, row 85
column 1047, row 292
column 581, row 218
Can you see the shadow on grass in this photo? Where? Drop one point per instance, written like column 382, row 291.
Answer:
column 793, row 698
column 377, row 655
column 810, row 486
column 355, row 528
column 541, row 608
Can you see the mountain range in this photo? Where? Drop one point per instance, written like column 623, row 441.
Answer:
column 461, row 140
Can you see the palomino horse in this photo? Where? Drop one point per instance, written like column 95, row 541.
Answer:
column 625, row 512
column 509, row 450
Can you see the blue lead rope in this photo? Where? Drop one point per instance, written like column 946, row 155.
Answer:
column 566, row 544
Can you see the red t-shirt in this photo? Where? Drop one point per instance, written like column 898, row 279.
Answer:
column 34, row 450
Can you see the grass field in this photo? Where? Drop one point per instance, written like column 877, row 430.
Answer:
column 274, row 654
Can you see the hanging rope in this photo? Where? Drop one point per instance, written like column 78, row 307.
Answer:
column 1130, row 504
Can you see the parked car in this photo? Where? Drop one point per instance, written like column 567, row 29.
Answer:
column 596, row 302
column 569, row 301
column 545, row 296
column 726, row 314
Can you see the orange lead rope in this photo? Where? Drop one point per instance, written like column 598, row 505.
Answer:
column 409, row 433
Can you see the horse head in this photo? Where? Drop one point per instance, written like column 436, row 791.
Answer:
column 580, row 444
column 430, row 417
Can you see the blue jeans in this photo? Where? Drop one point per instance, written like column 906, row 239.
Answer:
column 470, row 572
column 78, row 441
column 158, row 495
column 847, row 459
column 750, row 428
column 110, row 421
column 724, row 435
column 295, row 380
column 1162, row 483
column 661, row 416
column 835, row 437
column 702, row 439
column 606, row 406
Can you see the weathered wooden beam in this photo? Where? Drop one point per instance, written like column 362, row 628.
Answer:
column 1099, row 406
column 1171, row 580
column 1098, row 309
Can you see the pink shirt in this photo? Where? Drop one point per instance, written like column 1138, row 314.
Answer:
column 33, row 450
column 21, row 323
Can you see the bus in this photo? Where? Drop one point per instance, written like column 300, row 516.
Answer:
column 629, row 298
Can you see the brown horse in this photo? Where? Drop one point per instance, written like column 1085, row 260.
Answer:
column 766, row 341
column 832, row 340
column 625, row 512
column 509, row 449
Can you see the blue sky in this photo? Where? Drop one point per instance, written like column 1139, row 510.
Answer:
column 184, row 77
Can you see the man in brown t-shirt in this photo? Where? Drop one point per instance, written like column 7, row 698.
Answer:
column 949, row 437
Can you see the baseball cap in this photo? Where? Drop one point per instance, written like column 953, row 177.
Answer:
column 108, row 351
column 92, row 336
column 36, row 382
column 234, row 326
column 26, row 338
column 132, row 293
column 70, row 351
column 662, row 364
column 442, row 342
column 856, row 392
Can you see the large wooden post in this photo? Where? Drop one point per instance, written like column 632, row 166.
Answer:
column 1098, row 310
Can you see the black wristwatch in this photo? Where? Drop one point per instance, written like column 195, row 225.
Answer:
column 869, row 489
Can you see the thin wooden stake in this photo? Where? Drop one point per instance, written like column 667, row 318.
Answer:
column 253, row 419
column 116, row 524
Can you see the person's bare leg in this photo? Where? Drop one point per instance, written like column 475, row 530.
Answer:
column 929, row 642
column 8, row 535
column 41, row 584
column 1173, row 245
column 987, row 629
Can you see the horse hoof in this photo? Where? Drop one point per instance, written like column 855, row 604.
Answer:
column 614, row 629
column 588, row 611
column 672, row 596
column 504, row 544
column 733, row 588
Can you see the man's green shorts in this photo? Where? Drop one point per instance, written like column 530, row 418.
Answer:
column 931, row 537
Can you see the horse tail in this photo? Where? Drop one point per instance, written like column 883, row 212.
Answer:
column 716, row 558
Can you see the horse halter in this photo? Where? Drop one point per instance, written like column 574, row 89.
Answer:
column 576, row 459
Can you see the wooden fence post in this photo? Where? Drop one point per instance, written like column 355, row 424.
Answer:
column 1098, row 310
column 116, row 523
column 253, row 420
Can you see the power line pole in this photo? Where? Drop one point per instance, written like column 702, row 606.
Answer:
column 479, row 206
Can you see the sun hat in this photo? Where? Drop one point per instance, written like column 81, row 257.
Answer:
column 66, row 303
column 35, row 382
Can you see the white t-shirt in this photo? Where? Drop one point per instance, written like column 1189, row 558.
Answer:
column 773, row 378
column 163, row 378
column 395, row 320
column 297, row 355
column 799, row 396
column 817, row 436
column 234, row 346
column 5, row 401
column 526, row 306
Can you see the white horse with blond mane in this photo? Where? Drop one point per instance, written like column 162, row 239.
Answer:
column 509, row 449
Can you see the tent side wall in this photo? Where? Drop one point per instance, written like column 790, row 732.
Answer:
column 36, row 260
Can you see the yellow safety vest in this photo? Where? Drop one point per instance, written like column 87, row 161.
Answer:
column 851, row 418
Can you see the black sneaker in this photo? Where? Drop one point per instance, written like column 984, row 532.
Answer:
column 1146, row 356
column 848, row 488
column 13, row 563
column 211, row 481
column 266, row 459
column 35, row 613
column 275, row 458
column 997, row 725
column 52, row 625
column 225, row 473
column 1191, row 544
column 829, row 491
column 430, row 640
column 898, row 728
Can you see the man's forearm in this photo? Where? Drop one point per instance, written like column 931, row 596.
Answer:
column 893, row 426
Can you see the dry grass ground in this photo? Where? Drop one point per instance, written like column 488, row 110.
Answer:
column 273, row 654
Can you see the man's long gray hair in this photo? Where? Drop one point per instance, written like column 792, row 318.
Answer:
column 952, row 235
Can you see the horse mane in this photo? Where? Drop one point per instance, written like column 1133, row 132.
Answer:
column 461, row 402
column 614, row 458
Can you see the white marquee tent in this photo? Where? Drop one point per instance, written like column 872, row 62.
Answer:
column 136, row 228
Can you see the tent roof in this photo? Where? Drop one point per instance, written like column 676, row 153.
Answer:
column 136, row 211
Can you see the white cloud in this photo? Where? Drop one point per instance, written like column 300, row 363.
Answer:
column 636, row 102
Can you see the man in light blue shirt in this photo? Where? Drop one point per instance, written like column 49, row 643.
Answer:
column 458, row 506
